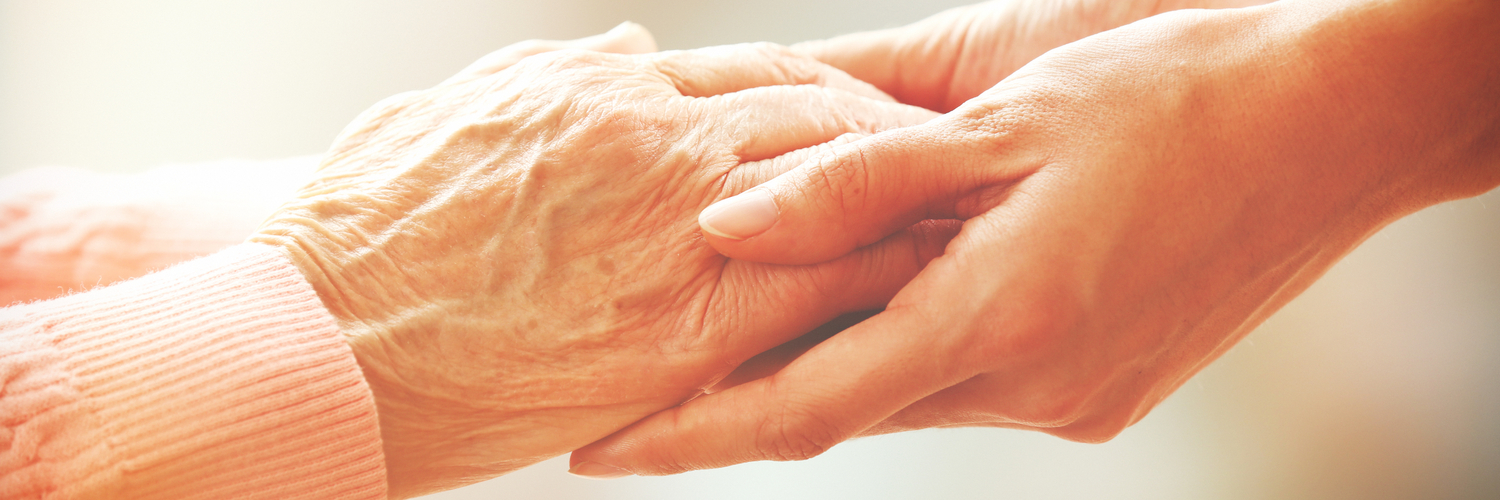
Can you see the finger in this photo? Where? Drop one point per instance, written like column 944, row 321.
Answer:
column 719, row 70
column 956, row 406
column 915, row 64
column 1030, row 402
column 769, row 121
column 804, row 297
column 833, row 392
column 750, row 174
column 773, row 360
column 862, row 191
column 942, row 61
column 880, row 58
column 626, row 38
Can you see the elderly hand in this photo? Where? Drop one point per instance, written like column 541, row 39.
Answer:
column 69, row 229
column 1133, row 204
column 947, row 59
column 514, row 255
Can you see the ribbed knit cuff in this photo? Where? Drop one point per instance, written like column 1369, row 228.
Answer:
column 223, row 377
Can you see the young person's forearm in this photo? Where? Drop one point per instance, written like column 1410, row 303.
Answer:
column 1411, row 88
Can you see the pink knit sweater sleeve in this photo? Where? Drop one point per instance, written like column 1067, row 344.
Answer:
column 222, row 377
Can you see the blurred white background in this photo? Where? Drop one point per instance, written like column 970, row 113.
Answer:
column 1380, row 382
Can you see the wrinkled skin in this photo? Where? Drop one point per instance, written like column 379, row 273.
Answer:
column 63, row 228
column 1134, row 204
column 514, row 258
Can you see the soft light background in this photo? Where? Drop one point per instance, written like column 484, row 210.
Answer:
column 1380, row 382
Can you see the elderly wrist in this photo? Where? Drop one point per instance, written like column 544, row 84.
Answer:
column 319, row 267
column 349, row 275
column 308, row 260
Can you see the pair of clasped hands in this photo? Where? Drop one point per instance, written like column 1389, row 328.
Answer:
column 659, row 259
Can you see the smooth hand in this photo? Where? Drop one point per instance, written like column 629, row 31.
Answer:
column 514, row 255
column 1133, row 205
column 949, row 58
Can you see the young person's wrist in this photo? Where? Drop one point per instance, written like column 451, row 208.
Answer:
column 1416, row 82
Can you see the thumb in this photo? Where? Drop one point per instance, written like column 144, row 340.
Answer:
column 852, row 196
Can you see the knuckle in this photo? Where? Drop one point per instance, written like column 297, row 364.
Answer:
column 795, row 447
column 837, row 171
column 991, row 128
column 796, row 436
column 674, row 458
column 1004, row 123
column 667, row 466
column 841, row 172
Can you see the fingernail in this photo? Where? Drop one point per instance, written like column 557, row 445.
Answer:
column 740, row 217
column 595, row 470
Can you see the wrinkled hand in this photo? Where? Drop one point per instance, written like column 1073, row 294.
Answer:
column 1133, row 204
column 514, row 258
column 68, row 229
column 949, row 58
